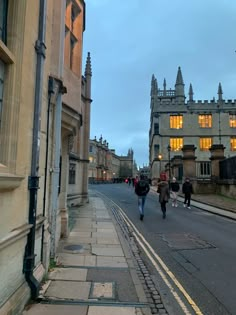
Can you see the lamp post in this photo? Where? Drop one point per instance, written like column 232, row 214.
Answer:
column 159, row 158
column 169, row 148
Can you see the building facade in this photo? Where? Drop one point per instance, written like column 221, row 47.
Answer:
column 176, row 123
column 105, row 165
column 44, row 119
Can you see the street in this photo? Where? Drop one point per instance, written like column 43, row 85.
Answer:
column 195, row 251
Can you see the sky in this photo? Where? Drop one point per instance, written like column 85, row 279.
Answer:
column 131, row 40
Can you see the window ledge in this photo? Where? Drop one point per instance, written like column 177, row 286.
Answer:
column 9, row 181
column 5, row 54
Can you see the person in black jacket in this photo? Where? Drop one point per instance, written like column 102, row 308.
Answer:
column 174, row 186
column 187, row 190
column 141, row 189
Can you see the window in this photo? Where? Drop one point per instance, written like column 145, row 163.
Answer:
column 233, row 144
column 72, row 45
column 72, row 173
column 90, row 148
column 205, row 144
column 1, row 86
column 232, row 120
column 205, row 121
column 176, row 121
column 3, row 20
column 205, row 168
column 156, row 149
column 176, row 144
column 156, row 129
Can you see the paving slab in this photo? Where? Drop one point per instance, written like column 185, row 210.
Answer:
column 68, row 290
column 69, row 274
column 108, row 310
column 102, row 235
column 104, row 224
column 80, row 234
column 106, row 230
column 84, row 240
column 107, row 251
column 107, row 240
column 48, row 309
column 76, row 259
column 109, row 261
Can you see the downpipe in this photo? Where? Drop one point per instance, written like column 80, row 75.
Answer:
column 33, row 180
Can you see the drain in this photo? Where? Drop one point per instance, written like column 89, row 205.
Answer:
column 73, row 247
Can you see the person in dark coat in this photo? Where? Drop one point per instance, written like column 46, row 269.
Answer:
column 187, row 190
column 164, row 193
column 141, row 189
column 174, row 186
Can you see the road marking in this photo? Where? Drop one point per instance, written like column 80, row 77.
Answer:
column 144, row 244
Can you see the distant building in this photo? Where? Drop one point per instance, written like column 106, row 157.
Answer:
column 106, row 165
column 145, row 170
column 177, row 123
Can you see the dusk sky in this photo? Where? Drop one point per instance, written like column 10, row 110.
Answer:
column 133, row 39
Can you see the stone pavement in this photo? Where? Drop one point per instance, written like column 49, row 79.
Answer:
column 212, row 202
column 95, row 272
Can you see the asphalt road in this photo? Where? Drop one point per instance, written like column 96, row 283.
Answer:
column 198, row 247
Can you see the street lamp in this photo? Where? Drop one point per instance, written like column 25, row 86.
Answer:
column 169, row 148
column 159, row 158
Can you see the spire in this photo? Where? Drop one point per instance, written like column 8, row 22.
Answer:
column 190, row 93
column 152, row 85
column 179, row 87
column 220, row 92
column 164, row 87
column 88, row 68
column 155, row 87
column 179, row 79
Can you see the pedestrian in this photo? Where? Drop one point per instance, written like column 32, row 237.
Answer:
column 141, row 189
column 187, row 190
column 164, row 193
column 174, row 186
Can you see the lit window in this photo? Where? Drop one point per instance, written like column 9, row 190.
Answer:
column 233, row 144
column 205, row 144
column 176, row 144
column 232, row 121
column 205, row 121
column 176, row 121
column 1, row 86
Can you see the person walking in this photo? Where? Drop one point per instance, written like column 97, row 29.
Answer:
column 174, row 186
column 141, row 189
column 164, row 193
column 187, row 190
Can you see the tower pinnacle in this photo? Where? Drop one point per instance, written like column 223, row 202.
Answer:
column 220, row 92
column 190, row 93
column 88, row 68
column 179, row 87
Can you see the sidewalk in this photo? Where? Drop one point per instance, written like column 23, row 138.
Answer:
column 211, row 202
column 96, row 272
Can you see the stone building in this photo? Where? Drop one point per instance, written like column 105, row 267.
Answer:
column 44, row 124
column 106, row 165
column 177, row 123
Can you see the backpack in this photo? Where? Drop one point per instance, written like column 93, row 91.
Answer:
column 142, row 188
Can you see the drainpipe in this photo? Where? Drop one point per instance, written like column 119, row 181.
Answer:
column 57, row 135
column 33, row 180
column 50, row 92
